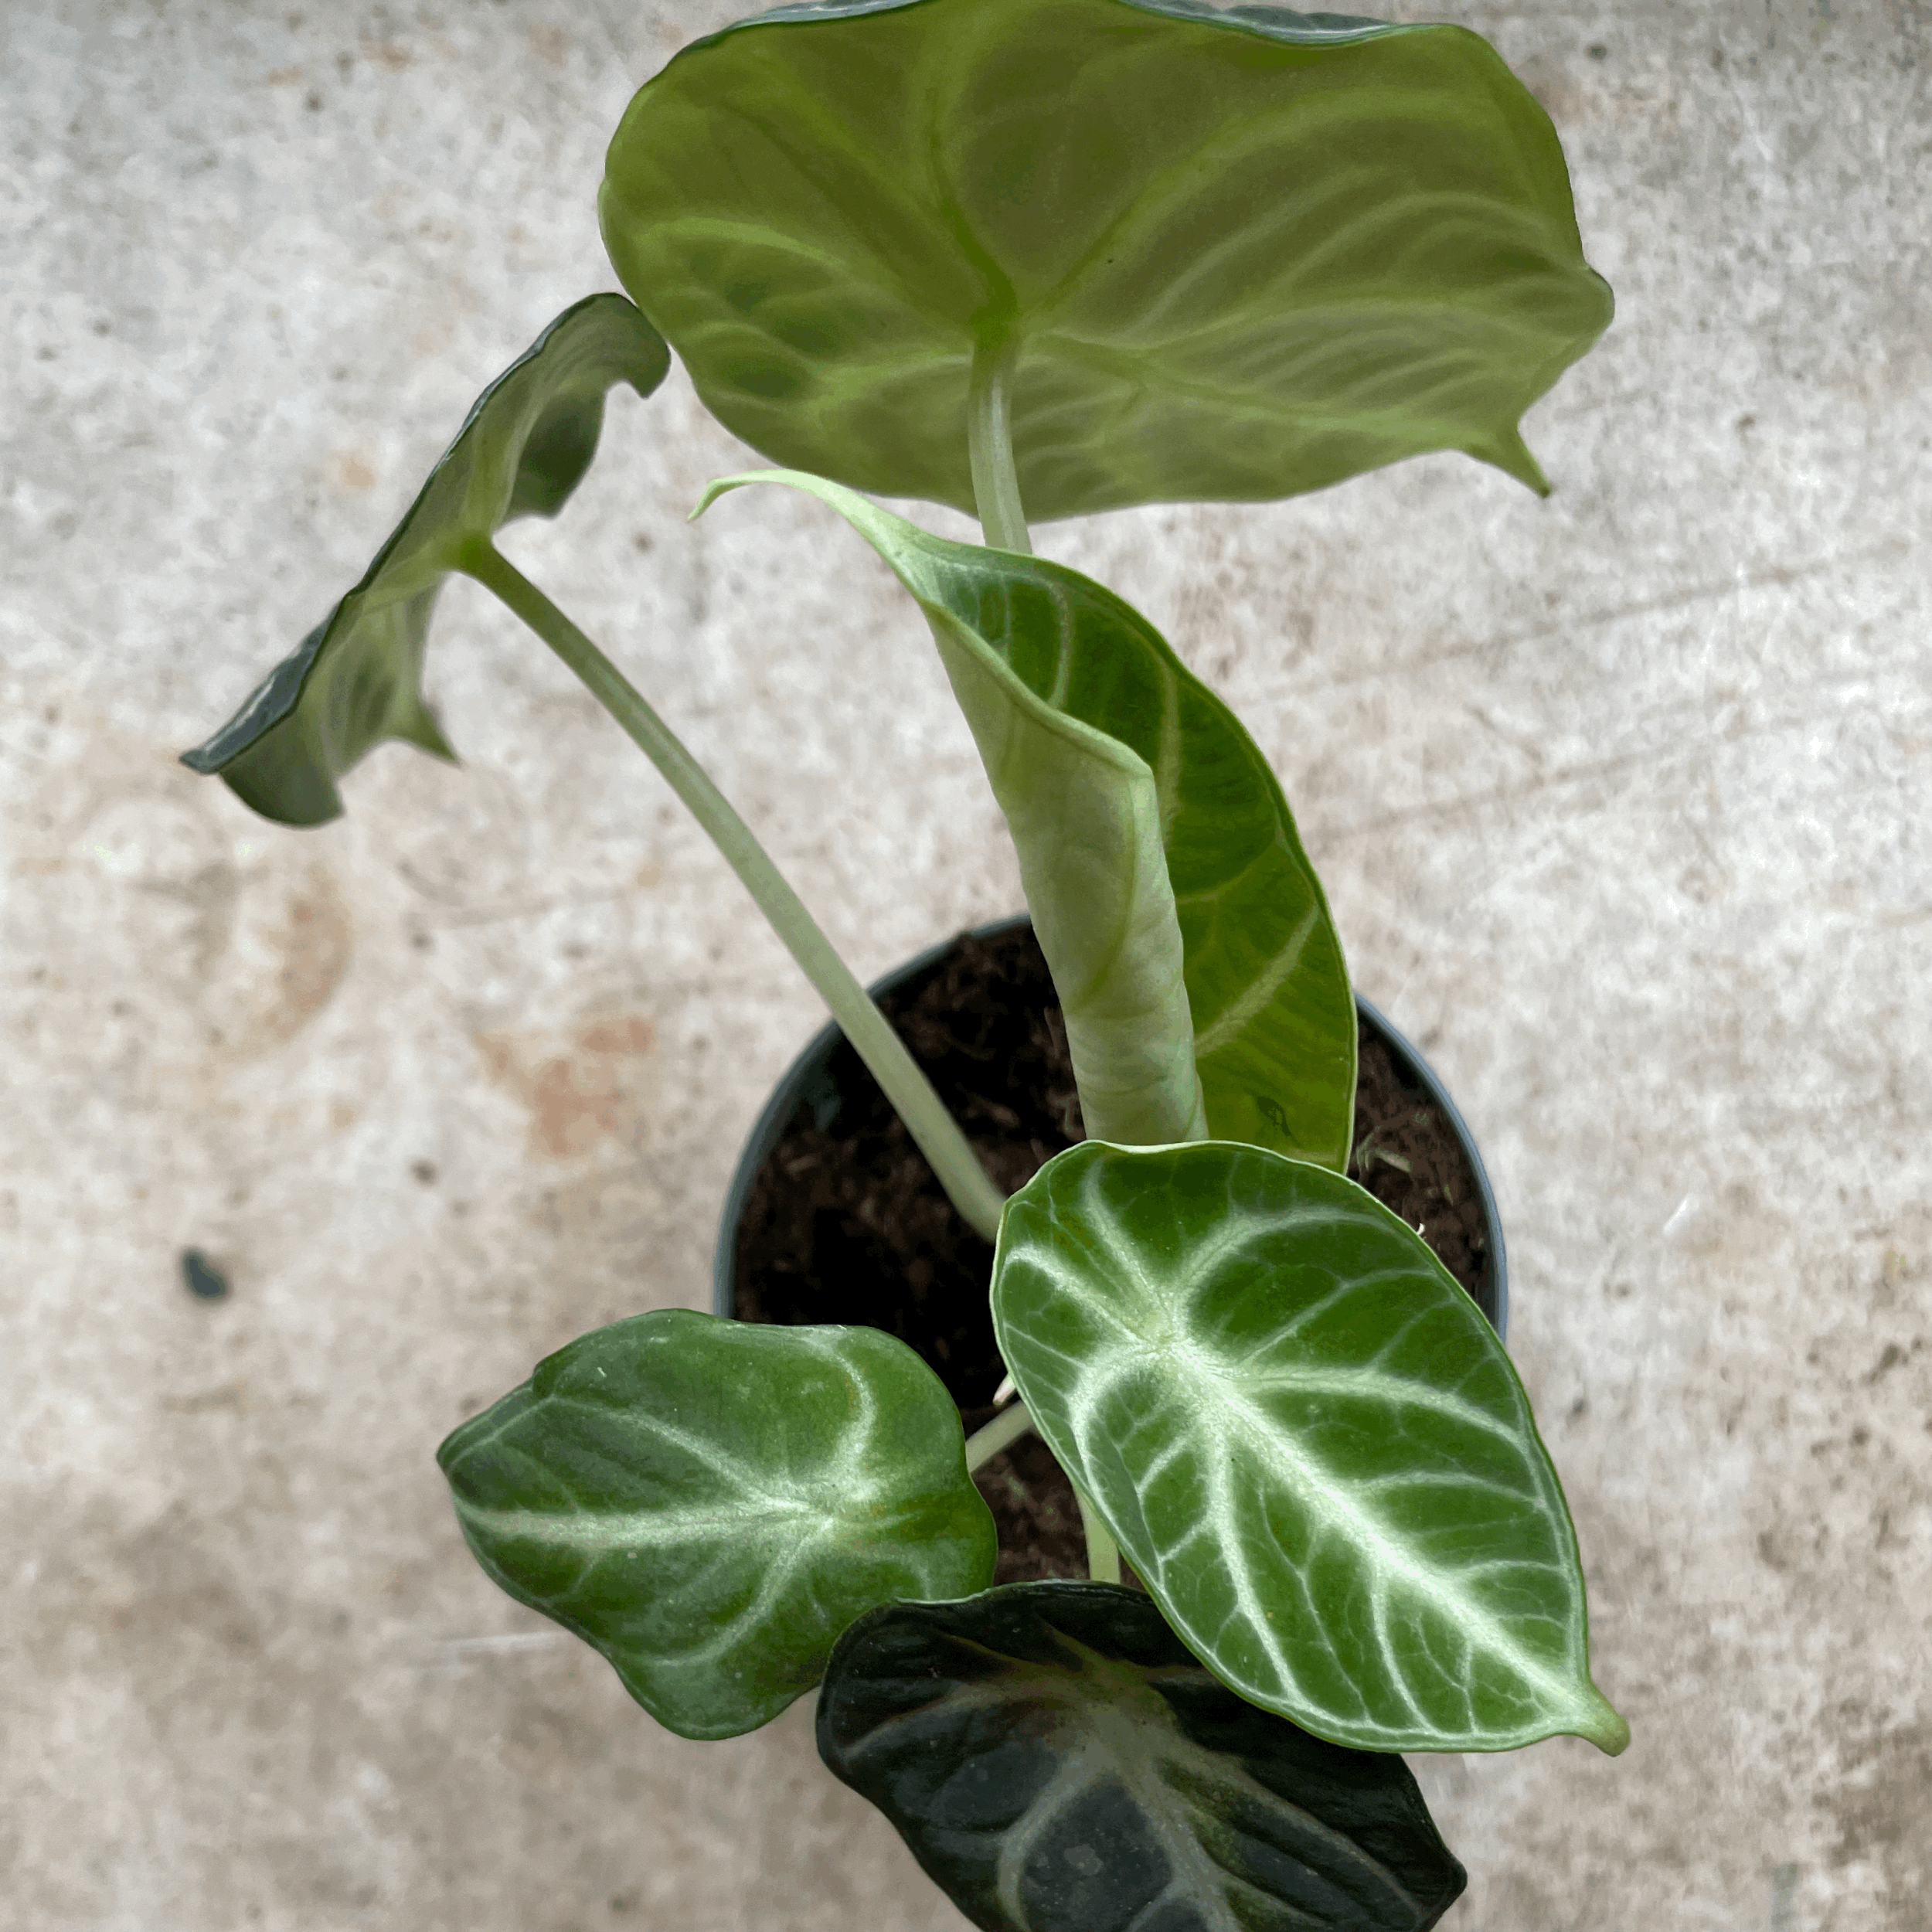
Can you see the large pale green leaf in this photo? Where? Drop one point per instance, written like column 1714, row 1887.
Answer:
column 1234, row 255
column 1135, row 796
column 710, row 1503
column 357, row 679
column 1058, row 1762
column 1309, row 1442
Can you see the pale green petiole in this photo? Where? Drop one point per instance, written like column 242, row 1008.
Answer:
column 989, row 433
column 1103, row 1553
column 1002, row 1432
column 910, row 1093
column 1005, row 1429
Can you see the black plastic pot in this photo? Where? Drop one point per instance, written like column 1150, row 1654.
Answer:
column 819, row 1078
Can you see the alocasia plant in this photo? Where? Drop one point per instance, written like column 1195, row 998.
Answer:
column 1047, row 257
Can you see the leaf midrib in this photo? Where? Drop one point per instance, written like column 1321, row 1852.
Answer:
column 601, row 1531
column 1203, row 1390
column 1388, row 1553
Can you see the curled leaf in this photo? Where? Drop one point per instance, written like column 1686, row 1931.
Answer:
column 357, row 679
column 1149, row 826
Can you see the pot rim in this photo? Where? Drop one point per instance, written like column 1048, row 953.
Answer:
column 776, row 1115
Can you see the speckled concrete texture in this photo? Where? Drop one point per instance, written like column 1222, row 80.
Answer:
column 1622, row 800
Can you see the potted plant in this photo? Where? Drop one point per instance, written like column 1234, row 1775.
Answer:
column 831, row 1216
column 1042, row 258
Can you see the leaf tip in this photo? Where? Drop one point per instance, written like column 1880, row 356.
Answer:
column 423, row 731
column 713, row 491
column 1511, row 454
column 719, row 485
column 1604, row 1727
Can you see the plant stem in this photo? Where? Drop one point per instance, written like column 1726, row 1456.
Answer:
column 1103, row 1553
column 1002, row 1432
column 1006, row 1428
column 989, row 440
column 911, row 1094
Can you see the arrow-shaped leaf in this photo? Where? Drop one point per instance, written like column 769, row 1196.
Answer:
column 1308, row 1440
column 1148, row 825
column 1229, row 254
column 710, row 1503
column 1058, row 1762
column 357, row 679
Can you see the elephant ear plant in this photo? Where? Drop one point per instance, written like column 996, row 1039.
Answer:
column 1046, row 257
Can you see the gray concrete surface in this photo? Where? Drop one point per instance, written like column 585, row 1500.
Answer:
column 1622, row 799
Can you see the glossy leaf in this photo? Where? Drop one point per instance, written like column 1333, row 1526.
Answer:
column 710, row 1503
column 1309, row 1442
column 357, row 679
column 1236, row 255
column 1058, row 1762
column 1138, row 804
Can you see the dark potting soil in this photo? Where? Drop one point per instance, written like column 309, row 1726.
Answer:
column 1407, row 1154
column 845, row 1223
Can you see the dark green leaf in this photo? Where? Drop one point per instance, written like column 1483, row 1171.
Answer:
column 1307, row 1441
column 1109, row 757
column 710, row 1503
column 1058, row 1763
column 357, row 679
column 1237, row 256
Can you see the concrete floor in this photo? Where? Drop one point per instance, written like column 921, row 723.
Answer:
column 1622, row 800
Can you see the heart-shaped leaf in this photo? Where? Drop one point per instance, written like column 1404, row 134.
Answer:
column 710, row 1503
column 357, row 679
column 1231, row 255
column 1142, row 812
column 1307, row 1441
column 1058, row 1762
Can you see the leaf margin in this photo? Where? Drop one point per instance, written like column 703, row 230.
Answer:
column 276, row 757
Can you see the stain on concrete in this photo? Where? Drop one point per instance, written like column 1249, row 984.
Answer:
column 393, row 56
column 585, row 1091
column 459, row 837
column 165, row 850
column 1880, row 1803
column 204, row 1280
column 315, row 942
column 350, row 470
